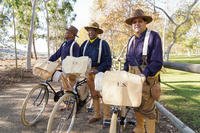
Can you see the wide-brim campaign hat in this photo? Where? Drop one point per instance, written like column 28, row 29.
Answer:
column 95, row 26
column 73, row 30
column 139, row 13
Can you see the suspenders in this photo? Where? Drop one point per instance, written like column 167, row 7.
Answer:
column 100, row 50
column 145, row 45
column 71, row 48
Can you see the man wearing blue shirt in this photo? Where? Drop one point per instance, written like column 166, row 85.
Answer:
column 150, row 64
column 99, row 52
column 64, row 49
column 68, row 48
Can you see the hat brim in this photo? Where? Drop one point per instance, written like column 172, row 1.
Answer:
column 72, row 32
column 99, row 31
column 147, row 19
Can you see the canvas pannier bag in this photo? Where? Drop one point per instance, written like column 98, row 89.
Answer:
column 76, row 65
column 122, row 88
column 44, row 69
column 98, row 81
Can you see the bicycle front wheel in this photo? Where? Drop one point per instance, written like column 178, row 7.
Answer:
column 63, row 120
column 34, row 104
column 114, row 123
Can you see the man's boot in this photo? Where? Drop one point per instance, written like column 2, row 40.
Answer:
column 150, row 125
column 97, row 115
column 139, row 123
column 106, row 115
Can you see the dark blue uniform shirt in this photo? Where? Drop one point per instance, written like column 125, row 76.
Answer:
column 154, row 54
column 64, row 51
column 92, row 51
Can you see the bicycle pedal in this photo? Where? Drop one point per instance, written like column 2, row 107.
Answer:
column 106, row 123
column 90, row 110
column 131, row 122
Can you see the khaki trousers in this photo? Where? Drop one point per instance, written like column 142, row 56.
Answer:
column 96, row 99
column 68, row 81
column 145, row 114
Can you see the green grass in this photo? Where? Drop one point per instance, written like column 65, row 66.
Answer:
column 194, row 60
column 181, row 94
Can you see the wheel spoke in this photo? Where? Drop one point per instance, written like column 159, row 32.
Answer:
column 62, row 121
column 34, row 105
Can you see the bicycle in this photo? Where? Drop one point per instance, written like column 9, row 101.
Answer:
column 62, row 121
column 35, row 103
column 36, row 100
column 119, row 119
column 121, row 96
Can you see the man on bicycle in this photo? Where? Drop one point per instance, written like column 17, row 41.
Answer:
column 147, row 65
column 99, row 52
column 68, row 48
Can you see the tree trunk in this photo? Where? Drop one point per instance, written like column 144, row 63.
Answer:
column 47, row 19
column 28, row 61
column 34, row 49
column 169, row 50
column 16, row 65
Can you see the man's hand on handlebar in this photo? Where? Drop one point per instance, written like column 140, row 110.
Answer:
column 93, row 71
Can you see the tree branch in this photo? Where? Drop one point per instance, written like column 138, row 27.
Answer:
column 163, row 12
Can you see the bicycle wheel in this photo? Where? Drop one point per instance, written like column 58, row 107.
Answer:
column 63, row 121
column 34, row 104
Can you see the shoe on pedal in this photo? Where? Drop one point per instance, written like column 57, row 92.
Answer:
column 106, row 123
column 93, row 119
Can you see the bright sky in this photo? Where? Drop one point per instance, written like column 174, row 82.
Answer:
column 82, row 9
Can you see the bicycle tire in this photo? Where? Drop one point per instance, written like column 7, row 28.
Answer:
column 63, row 121
column 39, row 94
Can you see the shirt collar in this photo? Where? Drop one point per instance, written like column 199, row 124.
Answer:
column 91, row 41
column 143, row 33
column 69, row 40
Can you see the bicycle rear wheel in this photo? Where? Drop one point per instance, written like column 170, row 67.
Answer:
column 63, row 121
column 34, row 104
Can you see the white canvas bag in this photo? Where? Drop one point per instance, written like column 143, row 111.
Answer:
column 44, row 68
column 76, row 65
column 98, row 81
column 122, row 88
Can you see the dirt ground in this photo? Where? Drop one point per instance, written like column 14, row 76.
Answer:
column 14, row 86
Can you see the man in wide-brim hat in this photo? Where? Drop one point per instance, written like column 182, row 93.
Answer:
column 64, row 50
column 68, row 48
column 99, row 51
column 147, row 63
column 94, row 26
